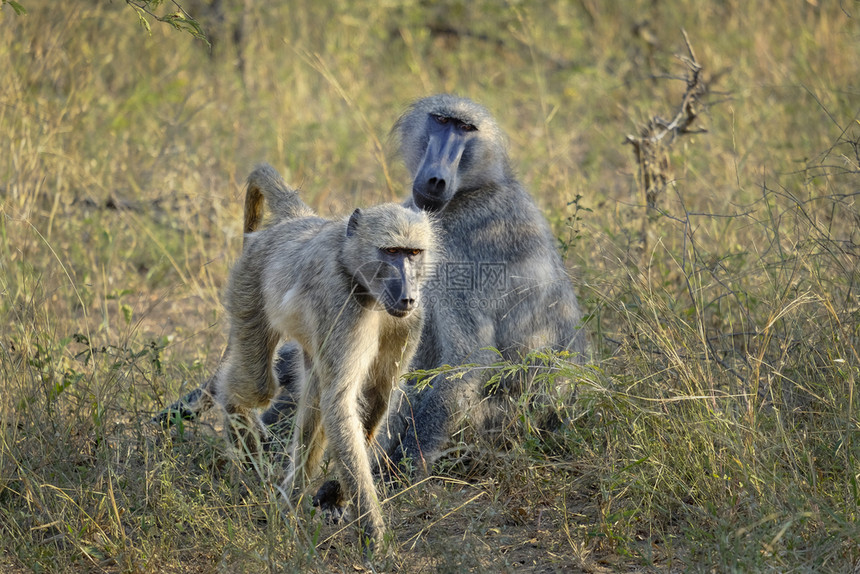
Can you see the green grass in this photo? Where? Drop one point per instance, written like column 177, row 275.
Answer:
column 717, row 428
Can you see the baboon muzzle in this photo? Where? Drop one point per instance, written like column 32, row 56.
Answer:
column 401, row 291
column 436, row 180
column 392, row 286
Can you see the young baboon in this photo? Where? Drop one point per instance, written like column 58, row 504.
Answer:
column 324, row 284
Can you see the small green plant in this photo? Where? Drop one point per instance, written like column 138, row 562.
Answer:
column 180, row 19
column 16, row 6
column 573, row 226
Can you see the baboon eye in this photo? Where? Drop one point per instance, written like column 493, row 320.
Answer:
column 441, row 119
column 392, row 250
column 414, row 252
column 466, row 127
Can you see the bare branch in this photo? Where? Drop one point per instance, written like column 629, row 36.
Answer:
column 650, row 145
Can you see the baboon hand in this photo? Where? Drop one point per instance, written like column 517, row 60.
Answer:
column 330, row 500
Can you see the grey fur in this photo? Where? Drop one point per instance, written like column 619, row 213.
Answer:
column 487, row 222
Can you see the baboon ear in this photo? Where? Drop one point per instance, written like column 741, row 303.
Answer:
column 353, row 222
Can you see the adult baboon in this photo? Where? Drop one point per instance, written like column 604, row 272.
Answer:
column 502, row 285
column 323, row 283
column 500, row 282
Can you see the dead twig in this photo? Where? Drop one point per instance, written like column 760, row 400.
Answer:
column 650, row 146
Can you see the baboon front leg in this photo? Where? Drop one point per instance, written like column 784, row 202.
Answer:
column 382, row 423
column 330, row 497
column 385, row 446
column 306, row 451
column 377, row 406
column 378, row 430
column 346, row 433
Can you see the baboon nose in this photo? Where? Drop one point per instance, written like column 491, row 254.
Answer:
column 435, row 185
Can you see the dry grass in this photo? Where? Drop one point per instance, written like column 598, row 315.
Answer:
column 717, row 429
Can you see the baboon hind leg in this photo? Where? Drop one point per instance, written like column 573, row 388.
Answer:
column 247, row 383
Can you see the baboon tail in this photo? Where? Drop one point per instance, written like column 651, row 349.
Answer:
column 253, row 207
column 284, row 203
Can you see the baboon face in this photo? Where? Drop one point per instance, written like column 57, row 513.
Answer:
column 388, row 267
column 396, row 283
column 450, row 145
column 437, row 178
